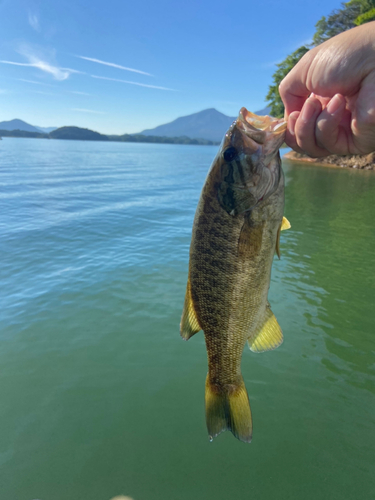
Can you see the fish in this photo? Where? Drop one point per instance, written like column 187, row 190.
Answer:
column 236, row 232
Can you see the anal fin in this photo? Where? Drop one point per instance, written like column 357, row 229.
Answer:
column 268, row 335
column 189, row 325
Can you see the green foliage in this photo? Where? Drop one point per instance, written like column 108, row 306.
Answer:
column 365, row 17
column 338, row 21
column 364, row 5
column 23, row 133
column 366, row 10
column 77, row 133
column 273, row 96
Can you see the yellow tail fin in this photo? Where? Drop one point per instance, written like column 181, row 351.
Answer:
column 228, row 408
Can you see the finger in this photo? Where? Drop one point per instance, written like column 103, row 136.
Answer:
column 323, row 100
column 330, row 134
column 293, row 89
column 290, row 137
column 292, row 102
column 305, row 128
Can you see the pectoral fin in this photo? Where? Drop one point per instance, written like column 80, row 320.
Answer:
column 189, row 325
column 285, row 224
column 269, row 334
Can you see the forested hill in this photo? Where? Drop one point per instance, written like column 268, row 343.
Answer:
column 84, row 134
column 77, row 133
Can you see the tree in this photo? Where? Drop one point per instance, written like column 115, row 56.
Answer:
column 273, row 96
column 365, row 17
column 366, row 8
column 338, row 21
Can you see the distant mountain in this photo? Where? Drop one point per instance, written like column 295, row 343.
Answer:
column 18, row 125
column 21, row 125
column 264, row 111
column 208, row 124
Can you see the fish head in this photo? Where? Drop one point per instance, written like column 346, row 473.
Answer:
column 249, row 161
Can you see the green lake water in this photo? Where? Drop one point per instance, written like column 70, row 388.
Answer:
column 99, row 396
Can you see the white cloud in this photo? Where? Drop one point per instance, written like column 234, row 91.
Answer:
column 82, row 110
column 132, row 83
column 32, row 81
column 34, row 22
column 113, row 65
column 15, row 63
column 58, row 73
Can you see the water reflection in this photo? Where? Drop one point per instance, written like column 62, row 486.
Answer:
column 332, row 259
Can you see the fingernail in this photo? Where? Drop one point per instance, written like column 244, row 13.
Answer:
column 309, row 109
column 334, row 104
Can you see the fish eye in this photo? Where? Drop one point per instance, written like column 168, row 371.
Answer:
column 229, row 154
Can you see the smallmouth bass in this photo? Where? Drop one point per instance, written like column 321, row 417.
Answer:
column 236, row 232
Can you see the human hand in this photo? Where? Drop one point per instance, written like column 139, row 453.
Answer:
column 329, row 96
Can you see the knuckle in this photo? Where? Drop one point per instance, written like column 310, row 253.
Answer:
column 283, row 88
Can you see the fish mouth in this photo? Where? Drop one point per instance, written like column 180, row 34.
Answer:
column 261, row 123
column 264, row 131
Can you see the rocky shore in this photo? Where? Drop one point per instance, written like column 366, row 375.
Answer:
column 360, row 162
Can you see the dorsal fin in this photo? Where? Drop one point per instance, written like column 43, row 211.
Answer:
column 268, row 335
column 189, row 325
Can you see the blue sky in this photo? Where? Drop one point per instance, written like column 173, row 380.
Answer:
column 164, row 59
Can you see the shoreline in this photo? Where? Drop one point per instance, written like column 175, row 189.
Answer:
column 355, row 162
column 82, row 134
